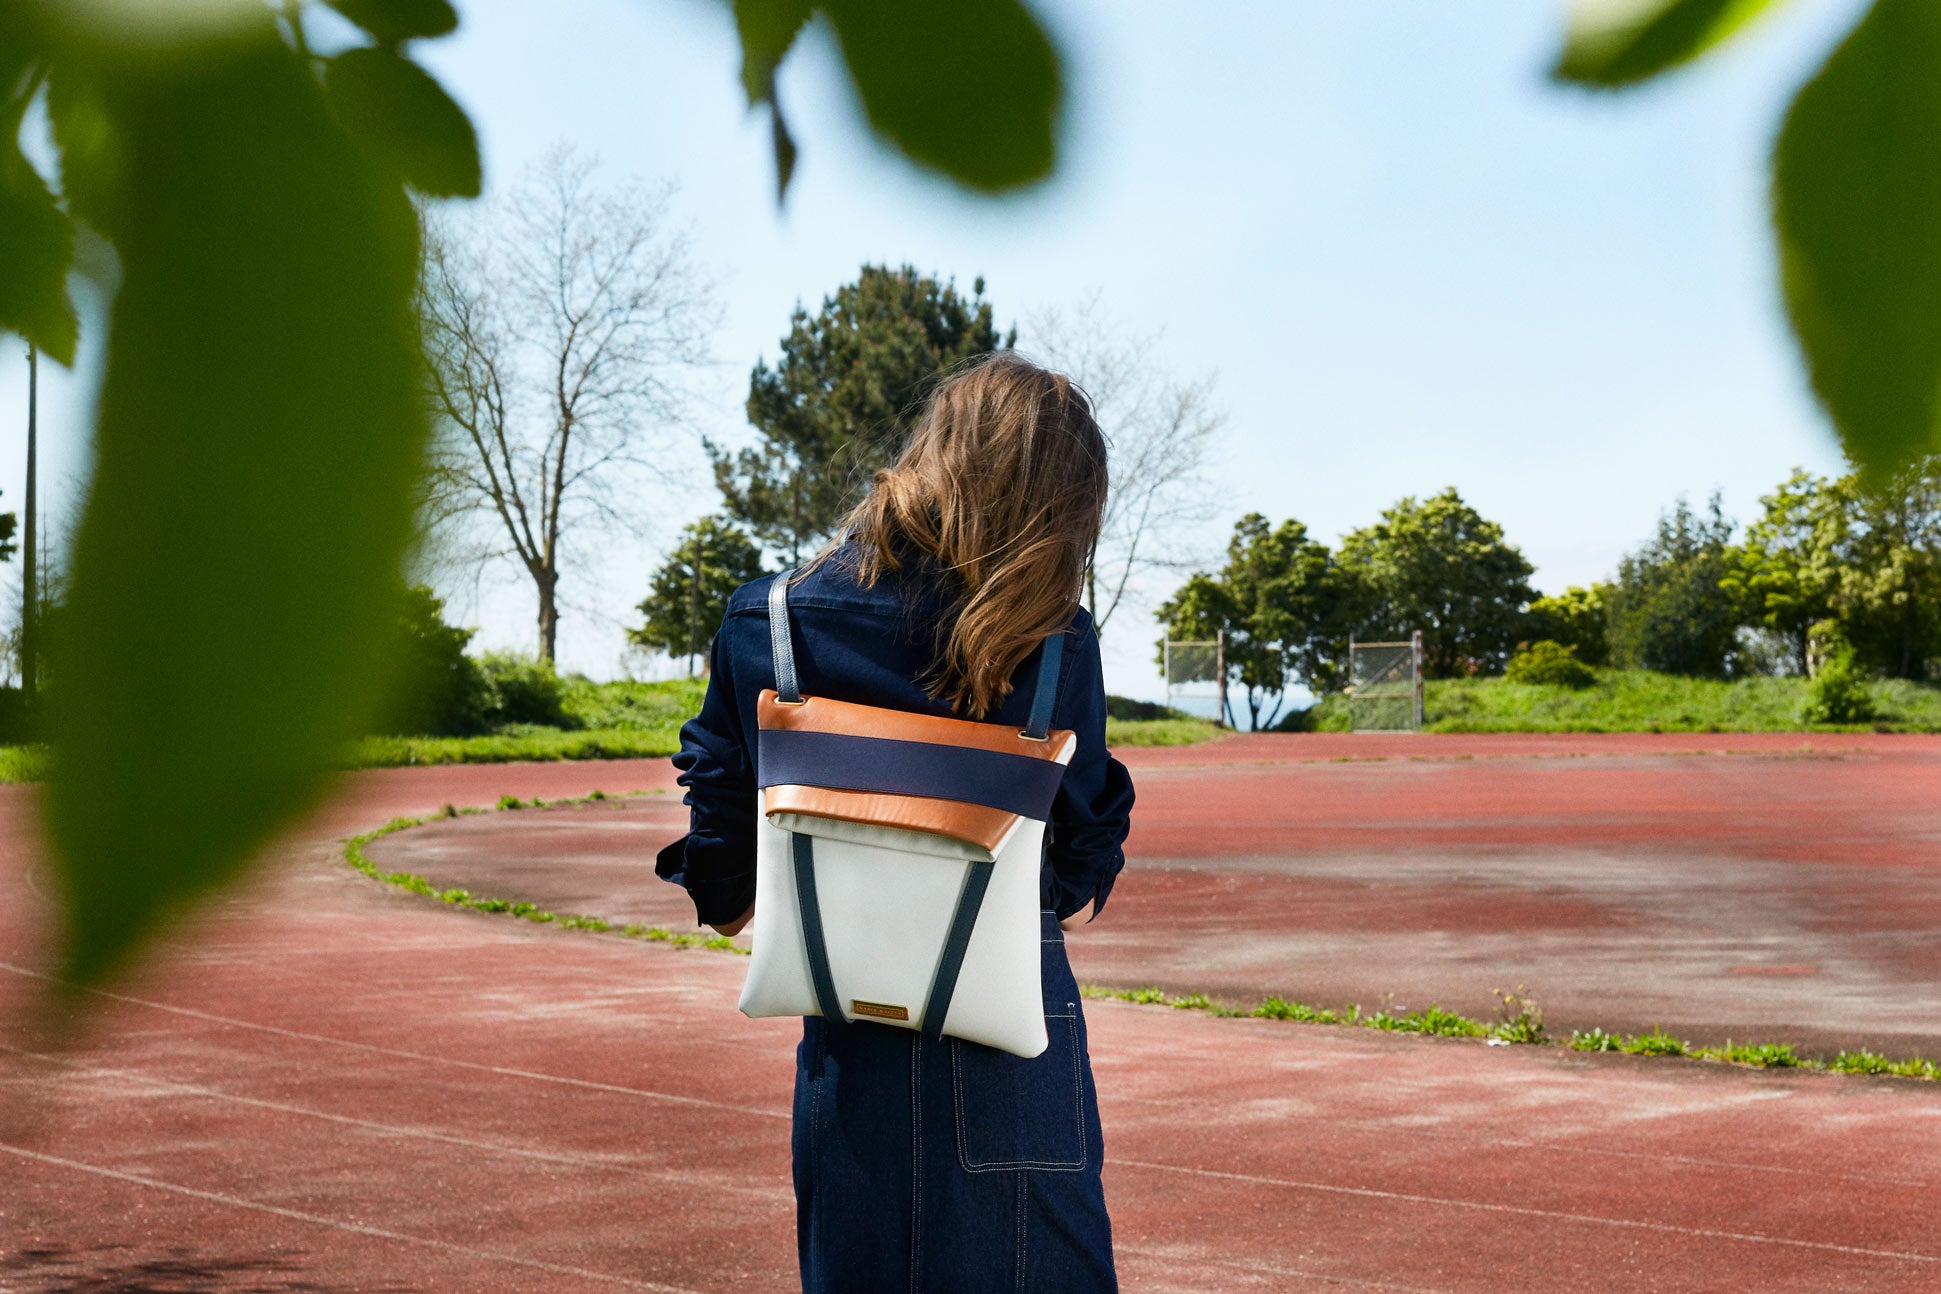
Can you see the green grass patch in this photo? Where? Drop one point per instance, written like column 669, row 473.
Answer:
column 1520, row 1022
column 519, row 744
column 23, row 763
column 621, row 720
column 1655, row 1043
column 1641, row 701
column 1434, row 1021
column 1765, row 1055
column 355, row 855
column 1160, row 732
column 1869, row 1062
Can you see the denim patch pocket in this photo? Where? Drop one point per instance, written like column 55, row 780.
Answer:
column 1017, row 1113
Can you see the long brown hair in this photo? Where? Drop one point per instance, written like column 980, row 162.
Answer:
column 1003, row 482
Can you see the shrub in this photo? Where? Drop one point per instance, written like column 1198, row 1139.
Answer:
column 1838, row 694
column 1124, row 707
column 19, row 717
column 522, row 689
column 1577, row 617
column 435, row 688
column 1549, row 664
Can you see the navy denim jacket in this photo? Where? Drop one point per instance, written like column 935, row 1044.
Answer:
column 871, row 646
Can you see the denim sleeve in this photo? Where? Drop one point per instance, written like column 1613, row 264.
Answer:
column 715, row 861
column 1093, row 809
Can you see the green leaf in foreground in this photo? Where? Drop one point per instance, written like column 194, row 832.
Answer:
column 1857, row 210
column 971, row 88
column 396, row 20
column 259, row 429
column 395, row 109
column 1620, row 42
column 36, row 236
column 767, row 28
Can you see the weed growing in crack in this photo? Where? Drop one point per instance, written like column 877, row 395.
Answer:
column 1656, row 1043
column 1519, row 1019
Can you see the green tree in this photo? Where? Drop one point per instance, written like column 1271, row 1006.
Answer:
column 1439, row 566
column 8, row 523
column 1579, row 618
column 690, row 591
column 1888, row 600
column 1668, row 611
column 1787, row 571
column 840, row 401
column 1278, row 600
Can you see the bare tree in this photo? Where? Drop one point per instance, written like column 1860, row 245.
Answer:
column 562, row 326
column 1162, row 431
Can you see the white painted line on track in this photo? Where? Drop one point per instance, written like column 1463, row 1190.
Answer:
column 399, row 1053
column 1307, row 1275
column 338, row 1224
column 690, row 1180
column 1723, row 1165
column 1518, row 1210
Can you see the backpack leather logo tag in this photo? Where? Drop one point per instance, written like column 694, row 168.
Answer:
column 881, row 1010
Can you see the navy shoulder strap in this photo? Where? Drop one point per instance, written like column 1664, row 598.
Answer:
column 787, row 688
column 1038, row 727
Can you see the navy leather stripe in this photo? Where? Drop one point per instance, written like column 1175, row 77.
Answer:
column 802, row 850
column 1047, row 692
column 779, row 645
column 841, row 761
column 962, row 922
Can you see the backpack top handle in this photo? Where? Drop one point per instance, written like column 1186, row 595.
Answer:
column 788, row 687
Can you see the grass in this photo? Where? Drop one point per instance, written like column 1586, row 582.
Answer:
column 1520, row 1023
column 621, row 720
column 532, row 743
column 23, row 763
column 1160, row 732
column 1641, row 701
column 522, row 910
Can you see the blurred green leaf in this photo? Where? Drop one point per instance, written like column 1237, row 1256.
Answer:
column 39, row 242
column 1620, row 42
column 36, row 235
column 1857, row 210
column 767, row 29
column 259, row 429
column 394, row 108
column 396, row 20
column 971, row 88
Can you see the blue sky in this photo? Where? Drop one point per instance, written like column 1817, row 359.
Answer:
column 1409, row 260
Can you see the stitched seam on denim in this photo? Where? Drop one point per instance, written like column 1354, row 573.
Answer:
column 815, row 1108
column 1024, row 1204
column 1078, row 1088
column 916, row 1164
column 1005, row 1166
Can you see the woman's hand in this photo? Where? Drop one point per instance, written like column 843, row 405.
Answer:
column 734, row 927
column 1076, row 919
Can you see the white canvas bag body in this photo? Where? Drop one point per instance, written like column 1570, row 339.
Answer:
column 897, row 860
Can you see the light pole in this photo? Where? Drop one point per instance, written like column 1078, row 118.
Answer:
column 693, row 600
column 29, row 568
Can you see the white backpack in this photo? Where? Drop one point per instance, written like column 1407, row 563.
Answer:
column 897, row 860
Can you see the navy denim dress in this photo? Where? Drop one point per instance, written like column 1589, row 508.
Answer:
column 921, row 1166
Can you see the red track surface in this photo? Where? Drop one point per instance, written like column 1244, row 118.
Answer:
column 327, row 1084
